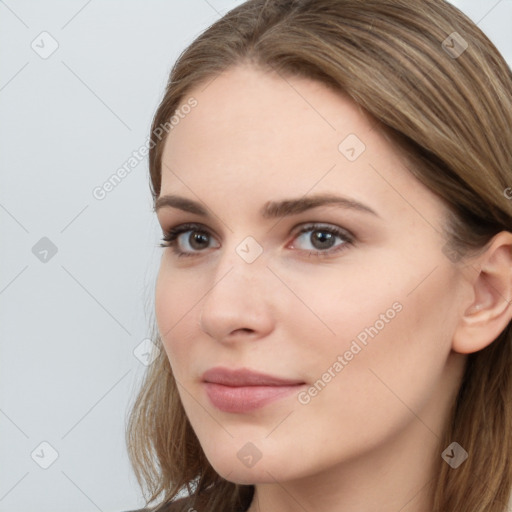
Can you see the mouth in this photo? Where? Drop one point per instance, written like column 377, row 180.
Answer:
column 243, row 390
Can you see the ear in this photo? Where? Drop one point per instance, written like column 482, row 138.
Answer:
column 490, row 276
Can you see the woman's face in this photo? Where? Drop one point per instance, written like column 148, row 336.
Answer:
column 352, row 302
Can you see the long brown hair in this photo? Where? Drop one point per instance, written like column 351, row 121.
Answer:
column 437, row 86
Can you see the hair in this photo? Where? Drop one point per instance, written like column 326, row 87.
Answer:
column 451, row 117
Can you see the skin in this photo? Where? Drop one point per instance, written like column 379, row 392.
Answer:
column 370, row 438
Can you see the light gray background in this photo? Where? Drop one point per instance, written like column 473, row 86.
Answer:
column 69, row 325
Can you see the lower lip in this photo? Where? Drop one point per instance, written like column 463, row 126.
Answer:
column 246, row 398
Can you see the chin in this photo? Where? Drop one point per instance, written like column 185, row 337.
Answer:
column 248, row 476
column 247, row 464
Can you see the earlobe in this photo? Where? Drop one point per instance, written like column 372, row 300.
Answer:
column 491, row 309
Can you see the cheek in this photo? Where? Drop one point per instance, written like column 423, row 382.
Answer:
column 175, row 296
column 164, row 303
column 330, row 306
column 394, row 342
column 397, row 322
column 174, row 307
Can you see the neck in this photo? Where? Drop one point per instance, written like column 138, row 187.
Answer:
column 396, row 476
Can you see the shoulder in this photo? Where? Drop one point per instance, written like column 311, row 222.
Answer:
column 199, row 503
column 185, row 504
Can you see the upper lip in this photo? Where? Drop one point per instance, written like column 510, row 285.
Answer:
column 245, row 377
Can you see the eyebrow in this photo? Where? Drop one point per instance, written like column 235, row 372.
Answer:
column 271, row 209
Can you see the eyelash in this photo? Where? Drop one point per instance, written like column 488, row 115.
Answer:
column 170, row 238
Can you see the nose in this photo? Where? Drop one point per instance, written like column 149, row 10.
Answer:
column 238, row 303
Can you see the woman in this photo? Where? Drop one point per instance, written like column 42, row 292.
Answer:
column 333, row 301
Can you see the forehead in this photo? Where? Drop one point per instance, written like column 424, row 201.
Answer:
column 247, row 106
column 258, row 135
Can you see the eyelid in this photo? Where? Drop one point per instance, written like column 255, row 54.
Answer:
column 172, row 234
column 318, row 225
column 301, row 227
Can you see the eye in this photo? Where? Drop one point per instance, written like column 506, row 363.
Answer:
column 321, row 239
column 196, row 240
column 190, row 239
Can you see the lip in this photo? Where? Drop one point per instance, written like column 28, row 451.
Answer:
column 243, row 390
column 245, row 377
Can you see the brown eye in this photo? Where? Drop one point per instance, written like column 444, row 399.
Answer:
column 187, row 239
column 320, row 239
